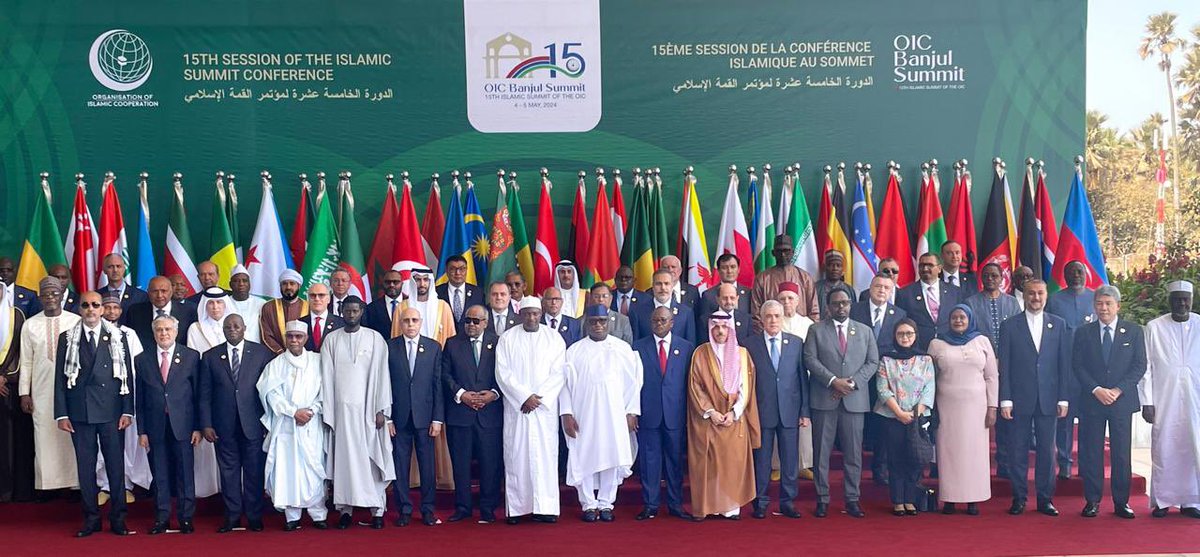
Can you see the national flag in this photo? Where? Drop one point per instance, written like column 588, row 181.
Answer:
column 800, row 229
column 659, row 243
column 178, row 258
column 1029, row 238
column 503, row 256
column 145, row 267
column 765, row 225
column 619, row 220
column 223, row 254
column 477, row 233
column 577, row 242
column 733, row 236
column 893, row 240
column 824, row 214
column 866, row 261
column 82, row 241
column 454, row 240
column 998, row 234
column 112, row 229
column 753, row 210
column 380, row 261
column 408, row 250
column 43, row 245
column 349, row 246
column 870, row 192
column 692, row 245
column 838, row 240
column 324, row 251
column 1078, row 240
column 433, row 227
column 931, row 224
column 785, row 202
column 960, row 223
column 231, row 212
column 545, row 253
column 1049, row 229
column 268, row 255
column 636, row 253
column 302, row 224
column 520, row 234
column 604, row 257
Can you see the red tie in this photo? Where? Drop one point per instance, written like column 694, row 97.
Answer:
column 164, row 365
column 841, row 339
column 662, row 356
column 317, row 334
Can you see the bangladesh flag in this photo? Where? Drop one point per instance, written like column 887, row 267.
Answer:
column 43, row 246
column 324, row 253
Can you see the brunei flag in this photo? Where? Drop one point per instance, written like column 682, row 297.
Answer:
column 44, row 245
column 999, row 234
column 636, row 252
column 692, row 245
column 454, row 238
column 224, row 255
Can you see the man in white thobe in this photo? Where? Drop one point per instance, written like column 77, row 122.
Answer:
column 358, row 401
column 54, row 455
column 290, row 389
column 600, row 404
column 529, row 373
column 1170, row 394
column 243, row 303
column 137, row 460
column 566, row 280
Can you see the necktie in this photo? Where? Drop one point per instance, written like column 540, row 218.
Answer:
column 775, row 352
column 475, row 349
column 499, row 323
column 457, row 305
column 164, row 364
column 953, row 280
column 1106, row 342
column 412, row 358
column 877, row 322
column 932, row 303
column 662, row 356
column 624, row 304
column 317, row 334
column 841, row 340
column 339, row 307
column 237, row 364
column 161, row 313
column 393, row 307
column 92, row 339
column 554, row 323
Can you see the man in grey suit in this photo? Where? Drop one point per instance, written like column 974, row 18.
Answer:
column 618, row 323
column 781, row 389
column 841, row 357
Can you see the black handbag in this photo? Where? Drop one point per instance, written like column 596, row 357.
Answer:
column 920, row 446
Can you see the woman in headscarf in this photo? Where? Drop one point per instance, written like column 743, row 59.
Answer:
column 968, row 384
column 722, row 420
column 206, row 333
column 906, row 391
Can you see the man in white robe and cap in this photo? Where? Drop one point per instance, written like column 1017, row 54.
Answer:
column 529, row 373
column 290, row 389
column 137, row 460
column 600, row 404
column 357, row 395
column 243, row 303
column 1170, row 395
column 566, row 280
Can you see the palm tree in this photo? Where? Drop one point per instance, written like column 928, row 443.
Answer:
column 1160, row 41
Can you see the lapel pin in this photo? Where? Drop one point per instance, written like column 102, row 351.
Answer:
column 919, row 298
column 675, row 311
column 785, row 341
column 177, row 359
column 222, row 356
column 489, row 347
column 104, row 338
column 891, row 311
column 737, row 323
column 1121, row 330
column 1049, row 325
column 676, row 351
column 852, row 332
column 420, row 349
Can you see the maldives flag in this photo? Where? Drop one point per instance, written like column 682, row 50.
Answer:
column 893, row 232
column 408, row 250
column 1029, row 238
column 380, row 259
column 433, row 227
column 1078, row 240
column 734, row 236
column 603, row 257
column 302, row 225
column 1044, row 212
column 545, row 251
column 960, row 223
column 112, row 229
column 577, row 242
column 82, row 241
column 931, row 225
column 998, row 234
column 619, row 220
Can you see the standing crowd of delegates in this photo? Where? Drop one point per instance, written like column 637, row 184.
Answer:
column 322, row 402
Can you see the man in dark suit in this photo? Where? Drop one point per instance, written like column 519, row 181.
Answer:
column 841, row 356
column 456, row 292
column 728, row 268
column 378, row 315
column 685, row 324
column 320, row 320
column 552, row 316
column 474, row 415
column 953, row 270
column 418, row 409
column 681, row 292
column 208, row 275
column 925, row 299
column 625, row 296
column 882, row 316
column 662, row 427
column 94, row 402
column 1075, row 304
column 501, row 316
column 1109, row 359
column 114, row 271
column 781, row 389
column 230, row 415
column 730, row 301
column 19, row 297
column 168, row 398
column 159, row 302
column 1035, row 358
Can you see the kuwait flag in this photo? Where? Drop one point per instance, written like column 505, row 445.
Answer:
column 692, row 246
column 636, row 253
column 893, row 232
column 931, row 225
column 961, row 220
column 269, row 255
column 146, row 268
column 82, row 241
column 433, row 227
column 112, row 229
column 577, row 242
column 350, row 247
column 178, row 258
column 224, row 256
column 733, row 236
column 604, row 257
column 324, row 253
column 43, row 246
column 408, row 249
column 800, row 228
column 764, row 237
column 302, row 225
column 999, row 234
column 619, row 220
column 1044, row 212
column 1078, row 240
column 546, row 246
column 380, row 260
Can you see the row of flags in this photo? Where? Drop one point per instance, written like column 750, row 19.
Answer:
column 324, row 237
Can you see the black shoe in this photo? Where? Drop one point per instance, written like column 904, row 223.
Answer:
column 119, row 529
column 821, row 510
column 545, row 518
column 487, row 518
column 403, row 520
column 87, row 530
column 256, row 526
column 854, row 510
column 185, row 527
column 646, row 514
column 789, row 511
column 1090, row 510
column 1124, row 512
column 377, row 523
column 512, row 520
column 910, row 512
column 291, row 526
column 320, row 524
column 158, row 528
column 759, row 513
column 1047, row 509
column 732, row 516
column 589, row 515
column 1190, row 512
column 972, row 509
column 1158, row 512
column 458, row 515
column 606, row 515
column 344, row 522
column 429, row 519
column 900, row 511
column 948, row 508
column 228, row 526
column 1017, row 507
column 680, row 513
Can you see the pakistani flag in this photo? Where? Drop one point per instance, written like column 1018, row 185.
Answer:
column 224, row 256
column 324, row 253
column 765, row 234
column 44, row 245
column 800, row 228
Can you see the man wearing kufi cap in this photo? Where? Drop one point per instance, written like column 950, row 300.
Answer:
column 288, row 307
column 244, row 304
column 137, row 462
column 1170, row 396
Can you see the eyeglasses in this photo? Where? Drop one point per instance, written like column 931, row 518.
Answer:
column 94, row 305
column 905, row 334
column 886, row 271
column 473, row 320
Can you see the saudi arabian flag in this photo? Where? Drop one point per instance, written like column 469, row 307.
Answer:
column 44, row 245
column 800, row 228
column 224, row 255
column 323, row 254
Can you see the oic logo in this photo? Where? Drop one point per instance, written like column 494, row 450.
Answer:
column 120, row 60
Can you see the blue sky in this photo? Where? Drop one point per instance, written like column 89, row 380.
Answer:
column 1119, row 83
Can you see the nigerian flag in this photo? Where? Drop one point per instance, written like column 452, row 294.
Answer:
column 224, row 255
column 44, row 245
column 323, row 253
column 800, row 228
column 765, row 226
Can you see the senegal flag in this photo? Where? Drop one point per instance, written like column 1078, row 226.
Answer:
column 224, row 255
column 44, row 245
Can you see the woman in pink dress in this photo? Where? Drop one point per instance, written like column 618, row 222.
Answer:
column 967, row 391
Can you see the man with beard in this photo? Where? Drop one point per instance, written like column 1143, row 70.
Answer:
column 114, row 271
column 289, row 307
column 242, row 303
column 566, row 280
column 437, row 319
column 685, row 324
column 378, row 316
column 682, row 292
column 766, row 283
column 137, row 462
column 1075, row 304
column 835, row 279
column 729, row 301
column 925, row 299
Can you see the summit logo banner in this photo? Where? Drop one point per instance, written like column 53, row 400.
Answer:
column 121, row 62
column 527, row 75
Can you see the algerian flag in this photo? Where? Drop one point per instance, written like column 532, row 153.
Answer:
column 269, row 255
column 324, row 253
column 800, row 228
